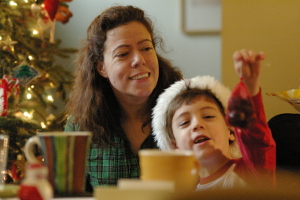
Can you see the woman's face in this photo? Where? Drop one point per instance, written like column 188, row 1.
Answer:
column 130, row 62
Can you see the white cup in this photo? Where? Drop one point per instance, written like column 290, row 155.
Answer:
column 3, row 158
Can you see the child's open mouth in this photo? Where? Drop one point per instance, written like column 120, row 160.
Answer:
column 201, row 139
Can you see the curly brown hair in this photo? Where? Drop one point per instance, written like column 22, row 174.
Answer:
column 92, row 103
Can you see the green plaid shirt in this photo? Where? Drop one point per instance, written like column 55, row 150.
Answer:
column 106, row 165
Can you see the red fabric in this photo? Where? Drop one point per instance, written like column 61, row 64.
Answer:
column 29, row 193
column 51, row 6
column 258, row 148
column 258, row 164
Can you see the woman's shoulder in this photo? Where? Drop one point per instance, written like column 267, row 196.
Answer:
column 71, row 125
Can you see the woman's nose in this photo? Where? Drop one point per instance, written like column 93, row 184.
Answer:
column 138, row 59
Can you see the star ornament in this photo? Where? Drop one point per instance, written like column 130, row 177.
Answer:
column 8, row 43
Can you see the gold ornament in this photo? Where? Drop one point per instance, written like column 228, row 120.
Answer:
column 8, row 44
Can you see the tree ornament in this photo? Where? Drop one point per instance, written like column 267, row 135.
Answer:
column 35, row 10
column 25, row 74
column 240, row 111
column 51, row 6
column 7, row 86
column 63, row 13
column 18, row 168
column 8, row 44
column 44, row 23
column 3, row 97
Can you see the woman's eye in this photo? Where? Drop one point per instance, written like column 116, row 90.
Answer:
column 147, row 48
column 120, row 55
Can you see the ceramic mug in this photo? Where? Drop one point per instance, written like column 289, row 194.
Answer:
column 65, row 155
column 179, row 166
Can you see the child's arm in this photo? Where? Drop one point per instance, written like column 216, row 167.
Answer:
column 256, row 143
column 247, row 65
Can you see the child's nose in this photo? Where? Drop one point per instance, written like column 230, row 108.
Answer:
column 138, row 59
column 197, row 125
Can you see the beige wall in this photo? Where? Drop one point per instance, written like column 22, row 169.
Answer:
column 272, row 26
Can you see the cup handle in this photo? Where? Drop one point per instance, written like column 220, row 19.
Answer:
column 28, row 149
column 195, row 172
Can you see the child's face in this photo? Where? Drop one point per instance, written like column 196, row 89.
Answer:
column 201, row 127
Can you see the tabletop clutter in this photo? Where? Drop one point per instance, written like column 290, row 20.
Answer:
column 59, row 176
column 163, row 182
column 291, row 96
column 155, row 182
column 63, row 170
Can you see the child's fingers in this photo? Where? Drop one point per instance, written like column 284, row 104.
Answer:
column 237, row 56
column 260, row 56
column 248, row 56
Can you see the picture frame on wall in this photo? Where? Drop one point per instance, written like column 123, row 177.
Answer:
column 201, row 16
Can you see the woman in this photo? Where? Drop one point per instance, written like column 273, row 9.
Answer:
column 117, row 81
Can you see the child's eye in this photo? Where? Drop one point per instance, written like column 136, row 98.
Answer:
column 184, row 123
column 209, row 116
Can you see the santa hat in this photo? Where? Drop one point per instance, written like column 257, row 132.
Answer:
column 160, row 133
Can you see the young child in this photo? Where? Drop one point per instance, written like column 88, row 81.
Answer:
column 190, row 115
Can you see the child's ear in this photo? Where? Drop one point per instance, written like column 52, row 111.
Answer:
column 101, row 70
column 174, row 144
column 231, row 135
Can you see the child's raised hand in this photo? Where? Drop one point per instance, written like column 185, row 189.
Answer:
column 247, row 65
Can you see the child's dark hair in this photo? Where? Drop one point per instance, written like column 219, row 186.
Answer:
column 186, row 97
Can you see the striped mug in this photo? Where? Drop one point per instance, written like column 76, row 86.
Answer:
column 65, row 155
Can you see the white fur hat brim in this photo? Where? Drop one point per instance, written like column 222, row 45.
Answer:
column 161, row 136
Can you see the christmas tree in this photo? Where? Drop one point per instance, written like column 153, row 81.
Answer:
column 30, row 78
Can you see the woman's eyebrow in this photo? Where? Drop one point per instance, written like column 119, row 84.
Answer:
column 127, row 45
column 144, row 40
column 120, row 46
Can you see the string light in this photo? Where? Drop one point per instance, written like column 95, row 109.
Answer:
column 50, row 98
column 30, row 57
column 12, row 3
column 35, row 32
column 29, row 96
column 43, row 125
column 26, row 114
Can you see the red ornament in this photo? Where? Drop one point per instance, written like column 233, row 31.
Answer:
column 51, row 6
